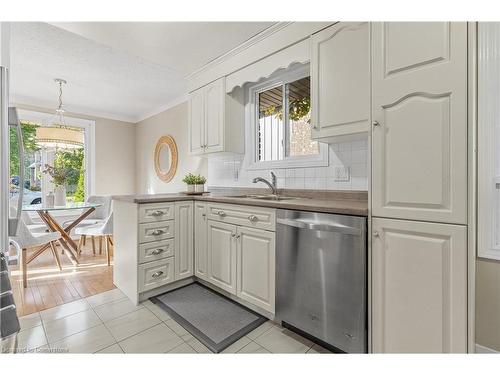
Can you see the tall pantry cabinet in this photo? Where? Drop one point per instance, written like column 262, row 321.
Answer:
column 419, row 187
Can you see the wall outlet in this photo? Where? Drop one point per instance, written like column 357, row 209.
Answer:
column 342, row 174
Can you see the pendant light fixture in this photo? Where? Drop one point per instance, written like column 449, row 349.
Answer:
column 56, row 133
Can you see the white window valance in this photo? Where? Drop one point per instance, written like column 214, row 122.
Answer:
column 296, row 53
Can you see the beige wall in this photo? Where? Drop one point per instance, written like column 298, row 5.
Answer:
column 488, row 303
column 114, row 157
column 114, row 153
column 174, row 122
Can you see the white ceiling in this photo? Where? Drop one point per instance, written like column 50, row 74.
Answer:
column 120, row 70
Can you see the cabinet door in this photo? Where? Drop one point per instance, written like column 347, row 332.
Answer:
column 256, row 267
column 340, row 80
column 200, row 240
column 196, row 122
column 214, row 116
column 183, row 240
column 419, row 288
column 222, row 255
column 419, row 133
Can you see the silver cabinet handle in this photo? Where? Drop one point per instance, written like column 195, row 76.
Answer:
column 157, row 213
column 253, row 218
column 157, row 274
column 376, row 234
column 221, row 213
column 157, row 232
column 238, row 236
column 376, row 123
column 157, row 251
column 233, row 235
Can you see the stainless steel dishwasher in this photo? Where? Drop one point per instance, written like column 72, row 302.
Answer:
column 321, row 277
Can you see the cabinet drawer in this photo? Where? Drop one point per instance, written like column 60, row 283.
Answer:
column 254, row 217
column 155, row 274
column 150, row 213
column 156, row 231
column 156, row 250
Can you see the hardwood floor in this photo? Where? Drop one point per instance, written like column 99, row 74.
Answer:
column 49, row 287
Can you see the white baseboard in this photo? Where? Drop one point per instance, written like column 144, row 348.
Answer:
column 485, row 350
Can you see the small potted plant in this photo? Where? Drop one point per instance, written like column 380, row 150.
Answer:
column 59, row 176
column 199, row 187
column 190, row 180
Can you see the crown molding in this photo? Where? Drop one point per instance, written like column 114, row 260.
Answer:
column 162, row 108
column 266, row 33
column 85, row 113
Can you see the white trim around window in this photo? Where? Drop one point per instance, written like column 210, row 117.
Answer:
column 251, row 110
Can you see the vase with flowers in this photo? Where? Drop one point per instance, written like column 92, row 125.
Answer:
column 59, row 176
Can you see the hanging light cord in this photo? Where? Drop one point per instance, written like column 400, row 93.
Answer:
column 60, row 109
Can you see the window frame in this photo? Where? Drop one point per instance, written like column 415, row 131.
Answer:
column 88, row 127
column 252, row 115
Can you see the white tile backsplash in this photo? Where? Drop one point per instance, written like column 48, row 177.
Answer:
column 230, row 170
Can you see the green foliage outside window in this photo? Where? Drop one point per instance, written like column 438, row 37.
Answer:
column 29, row 132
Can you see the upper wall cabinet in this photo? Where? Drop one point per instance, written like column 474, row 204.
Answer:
column 340, row 81
column 419, row 132
column 216, row 120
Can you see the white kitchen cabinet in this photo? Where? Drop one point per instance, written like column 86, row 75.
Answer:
column 216, row 119
column 183, row 240
column 419, row 131
column 215, row 94
column 196, row 120
column 222, row 255
column 200, row 240
column 256, row 267
column 340, row 81
column 419, row 288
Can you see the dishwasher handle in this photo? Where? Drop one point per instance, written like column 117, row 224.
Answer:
column 339, row 228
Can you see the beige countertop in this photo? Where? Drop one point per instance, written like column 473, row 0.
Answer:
column 336, row 202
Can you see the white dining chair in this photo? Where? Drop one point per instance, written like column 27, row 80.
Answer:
column 25, row 239
column 98, row 217
column 32, row 226
column 97, row 230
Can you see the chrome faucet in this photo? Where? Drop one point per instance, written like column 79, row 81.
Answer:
column 272, row 185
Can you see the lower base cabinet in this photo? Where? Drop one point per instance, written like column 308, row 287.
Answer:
column 256, row 267
column 200, row 240
column 183, row 240
column 419, row 289
column 221, row 254
column 239, row 259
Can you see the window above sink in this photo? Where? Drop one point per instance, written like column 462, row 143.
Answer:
column 278, row 122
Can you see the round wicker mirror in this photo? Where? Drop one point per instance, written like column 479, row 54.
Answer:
column 166, row 158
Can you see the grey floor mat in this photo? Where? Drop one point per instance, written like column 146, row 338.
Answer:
column 212, row 318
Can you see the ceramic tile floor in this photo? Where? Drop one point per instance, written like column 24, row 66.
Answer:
column 110, row 323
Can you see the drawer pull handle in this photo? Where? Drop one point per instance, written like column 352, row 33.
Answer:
column 157, row 232
column 221, row 213
column 157, row 213
column 157, row 274
column 157, row 251
column 253, row 218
